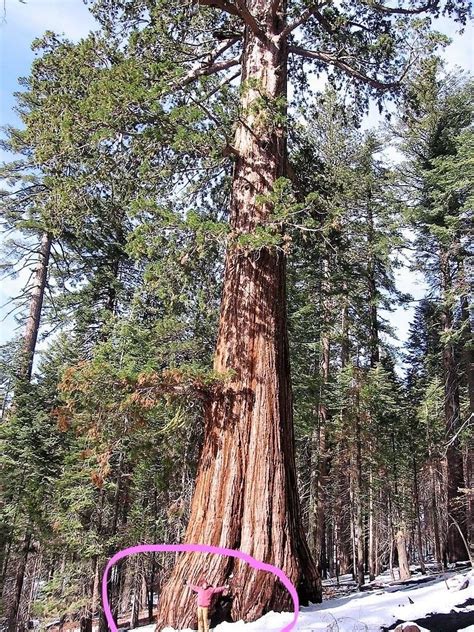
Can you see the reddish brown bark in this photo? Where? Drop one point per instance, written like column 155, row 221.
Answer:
column 246, row 493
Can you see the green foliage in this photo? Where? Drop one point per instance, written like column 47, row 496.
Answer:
column 126, row 159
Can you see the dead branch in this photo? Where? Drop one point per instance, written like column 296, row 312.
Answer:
column 206, row 71
column 333, row 60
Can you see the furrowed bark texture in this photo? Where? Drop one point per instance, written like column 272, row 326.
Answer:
column 246, row 492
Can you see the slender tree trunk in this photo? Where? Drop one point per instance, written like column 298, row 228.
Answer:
column 319, row 458
column 374, row 360
column 401, row 542
column 468, row 378
column 390, row 530
column 372, row 291
column 378, row 560
column 246, row 491
column 358, row 508
column 467, row 351
column 29, row 346
column 372, row 529
column 34, row 576
column 359, row 488
column 95, row 586
column 436, row 517
column 400, row 526
column 136, row 594
column 454, row 470
column 418, row 518
column 119, row 515
column 342, row 467
column 14, row 607
column 345, row 349
column 36, row 306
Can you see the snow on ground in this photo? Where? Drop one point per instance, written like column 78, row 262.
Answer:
column 371, row 611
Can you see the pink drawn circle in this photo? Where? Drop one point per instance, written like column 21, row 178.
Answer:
column 196, row 548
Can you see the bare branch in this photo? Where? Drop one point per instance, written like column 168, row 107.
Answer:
column 431, row 4
column 14, row 309
column 333, row 60
column 220, row 51
column 304, row 17
column 226, row 81
column 313, row 10
column 206, row 71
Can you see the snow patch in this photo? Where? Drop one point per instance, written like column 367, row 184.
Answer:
column 369, row 611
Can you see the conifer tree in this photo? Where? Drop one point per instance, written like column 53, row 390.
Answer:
column 440, row 112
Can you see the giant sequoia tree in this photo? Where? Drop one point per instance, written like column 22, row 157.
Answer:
column 245, row 494
column 156, row 92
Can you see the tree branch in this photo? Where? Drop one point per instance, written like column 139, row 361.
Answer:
column 248, row 18
column 431, row 4
column 226, row 81
column 304, row 17
column 224, row 5
column 325, row 23
column 205, row 71
column 220, row 51
column 239, row 8
column 350, row 70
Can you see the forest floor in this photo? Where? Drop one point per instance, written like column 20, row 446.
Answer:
column 435, row 602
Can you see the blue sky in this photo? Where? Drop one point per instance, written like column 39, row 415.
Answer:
column 24, row 22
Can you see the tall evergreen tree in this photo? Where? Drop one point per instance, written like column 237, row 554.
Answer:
column 440, row 113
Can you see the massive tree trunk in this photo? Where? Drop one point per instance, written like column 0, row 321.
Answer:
column 246, row 492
